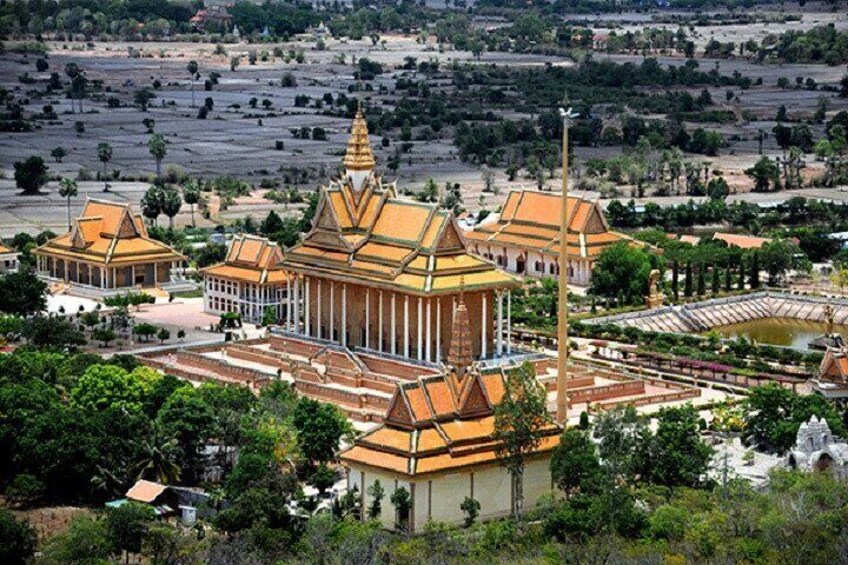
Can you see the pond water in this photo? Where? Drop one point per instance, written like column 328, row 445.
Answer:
column 786, row 332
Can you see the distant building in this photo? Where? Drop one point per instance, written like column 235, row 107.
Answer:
column 8, row 260
column 248, row 282
column 817, row 450
column 525, row 239
column 108, row 251
column 213, row 17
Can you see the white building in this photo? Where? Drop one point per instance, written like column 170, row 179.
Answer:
column 816, row 450
column 250, row 281
column 8, row 260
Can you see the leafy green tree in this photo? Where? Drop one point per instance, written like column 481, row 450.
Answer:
column 22, row 294
column 190, row 419
column 85, row 542
column 766, row 175
column 774, row 414
column 151, row 203
column 520, row 421
column 192, row 68
column 402, row 501
column 52, row 331
column 687, row 280
column 618, row 431
column 104, row 336
column 623, row 271
column 58, row 153
column 471, row 508
column 158, row 147
column 675, row 455
column 163, row 335
column 574, row 464
column 17, row 540
column 31, row 174
column 320, row 427
column 702, row 280
column 777, row 258
column 171, row 202
column 191, row 196
column 104, row 154
column 376, row 492
column 127, row 525
column 106, row 386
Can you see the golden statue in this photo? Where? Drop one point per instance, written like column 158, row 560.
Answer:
column 828, row 320
column 655, row 298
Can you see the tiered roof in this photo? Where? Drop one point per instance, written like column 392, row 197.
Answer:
column 834, row 366
column 364, row 233
column 437, row 424
column 251, row 259
column 110, row 234
column 531, row 220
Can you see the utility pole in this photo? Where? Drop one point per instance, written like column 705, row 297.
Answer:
column 562, row 314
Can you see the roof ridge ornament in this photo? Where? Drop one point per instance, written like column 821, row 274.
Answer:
column 359, row 160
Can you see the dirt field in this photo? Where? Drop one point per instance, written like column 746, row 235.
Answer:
column 239, row 140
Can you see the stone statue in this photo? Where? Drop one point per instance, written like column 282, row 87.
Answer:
column 655, row 298
column 828, row 319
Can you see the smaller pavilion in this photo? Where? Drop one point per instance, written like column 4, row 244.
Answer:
column 249, row 281
column 107, row 251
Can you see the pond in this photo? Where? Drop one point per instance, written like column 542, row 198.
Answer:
column 786, row 332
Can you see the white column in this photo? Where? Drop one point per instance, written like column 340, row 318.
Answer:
column 509, row 322
column 393, row 336
column 332, row 336
column 288, row 303
column 420, row 350
column 318, row 312
column 297, row 305
column 368, row 317
column 344, row 314
column 429, row 346
column 132, row 270
column 500, row 324
column 306, row 300
column 483, row 326
column 438, row 330
column 406, row 325
column 380, row 321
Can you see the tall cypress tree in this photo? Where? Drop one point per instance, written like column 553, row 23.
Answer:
column 716, row 279
column 702, row 280
column 687, row 283
column 675, row 284
column 741, row 280
column 728, row 276
column 755, row 271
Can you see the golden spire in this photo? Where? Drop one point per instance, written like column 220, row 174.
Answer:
column 460, row 356
column 358, row 156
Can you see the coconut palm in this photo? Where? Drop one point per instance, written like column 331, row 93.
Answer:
column 67, row 190
column 158, row 147
column 158, row 453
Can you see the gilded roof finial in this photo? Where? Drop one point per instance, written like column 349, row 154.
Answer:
column 460, row 355
column 359, row 156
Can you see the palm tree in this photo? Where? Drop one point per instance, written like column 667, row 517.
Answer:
column 72, row 70
column 192, row 69
column 104, row 153
column 191, row 195
column 158, row 453
column 151, row 204
column 158, row 147
column 68, row 189
column 171, row 204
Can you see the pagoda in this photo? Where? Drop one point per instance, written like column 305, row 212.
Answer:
column 384, row 274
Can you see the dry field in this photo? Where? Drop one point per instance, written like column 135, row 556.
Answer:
column 240, row 141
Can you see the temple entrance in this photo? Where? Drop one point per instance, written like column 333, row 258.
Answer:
column 520, row 264
column 824, row 463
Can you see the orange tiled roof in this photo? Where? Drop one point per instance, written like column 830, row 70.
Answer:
column 251, row 259
column 108, row 233
column 145, row 491
column 742, row 241
column 531, row 220
column 438, row 424
column 369, row 236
